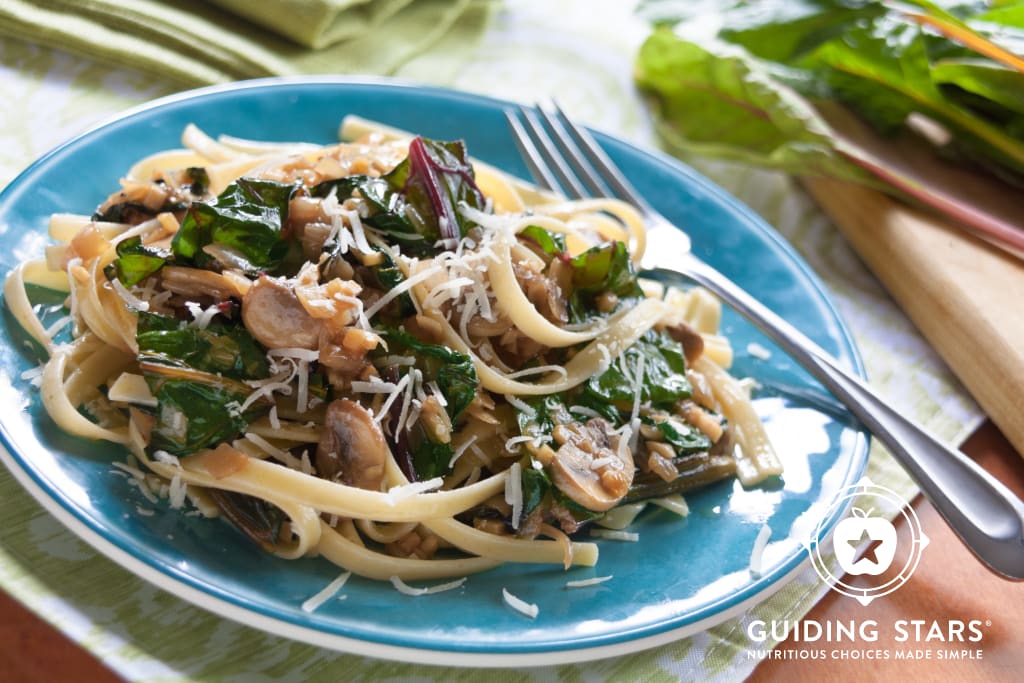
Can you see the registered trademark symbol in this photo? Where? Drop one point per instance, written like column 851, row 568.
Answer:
column 988, row 622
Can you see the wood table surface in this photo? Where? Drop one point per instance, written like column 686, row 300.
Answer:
column 948, row 585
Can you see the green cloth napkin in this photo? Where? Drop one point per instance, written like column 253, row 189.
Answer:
column 194, row 42
column 317, row 23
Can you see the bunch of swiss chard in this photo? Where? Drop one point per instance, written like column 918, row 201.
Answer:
column 744, row 80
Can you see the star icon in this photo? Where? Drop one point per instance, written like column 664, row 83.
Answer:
column 865, row 537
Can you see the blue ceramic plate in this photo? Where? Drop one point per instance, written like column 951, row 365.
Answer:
column 683, row 575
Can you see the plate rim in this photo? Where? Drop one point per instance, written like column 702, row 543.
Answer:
column 432, row 655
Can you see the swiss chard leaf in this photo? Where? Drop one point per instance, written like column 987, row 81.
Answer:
column 434, row 179
column 550, row 243
column 246, row 218
column 341, row 187
column 664, row 374
column 881, row 59
column 682, row 436
column 603, row 268
column 538, row 490
column 135, row 262
column 453, row 371
column 535, row 486
column 431, row 459
column 883, row 71
column 389, row 276
column 387, row 207
column 715, row 100
column 1001, row 86
column 194, row 415
column 222, row 349
column 548, row 411
column 134, row 212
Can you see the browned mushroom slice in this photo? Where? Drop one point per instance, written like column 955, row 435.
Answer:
column 352, row 448
column 275, row 317
column 685, row 334
column 195, row 282
column 588, row 466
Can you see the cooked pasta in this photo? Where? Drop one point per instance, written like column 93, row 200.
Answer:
column 385, row 354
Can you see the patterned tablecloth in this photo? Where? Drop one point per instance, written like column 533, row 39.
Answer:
column 582, row 51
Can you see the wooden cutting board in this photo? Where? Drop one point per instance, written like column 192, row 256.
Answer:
column 965, row 296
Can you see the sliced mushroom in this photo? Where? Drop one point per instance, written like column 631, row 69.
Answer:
column 352, row 448
column 589, row 467
column 543, row 292
column 276, row 318
column 196, row 282
column 693, row 343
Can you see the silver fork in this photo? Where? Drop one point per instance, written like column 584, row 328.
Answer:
column 984, row 513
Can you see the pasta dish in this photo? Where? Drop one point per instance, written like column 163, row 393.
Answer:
column 385, row 354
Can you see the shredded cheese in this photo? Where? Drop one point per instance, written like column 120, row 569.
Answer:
column 328, row 592
column 397, row 493
column 521, row 406
column 758, row 351
column 405, row 589
column 518, row 605
column 757, row 553
column 134, row 302
column 461, row 449
column 514, row 493
column 401, row 288
column 584, row 583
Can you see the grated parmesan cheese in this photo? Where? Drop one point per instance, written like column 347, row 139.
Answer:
column 758, row 351
column 518, row 605
column 57, row 326
column 329, row 591
column 405, row 589
column 584, row 583
column 374, row 386
column 397, row 493
column 757, row 553
column 392, row 398
column 133, row 301
column 200, row 317
column 540, row 369
column 521, row 406
column 176, row 492
column 514, row 492
column 584, row 411
column 166, row 458
column 34, row 376
column 461, row 449
column 401, row 288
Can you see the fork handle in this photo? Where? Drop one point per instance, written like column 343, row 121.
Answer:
column 984, row 513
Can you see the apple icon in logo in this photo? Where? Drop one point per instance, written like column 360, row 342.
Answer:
column 862, row 528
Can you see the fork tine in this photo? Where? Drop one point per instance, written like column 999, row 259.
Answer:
column 611, row 173
column 574, row 156
column 528, row 151
column 554, row 160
